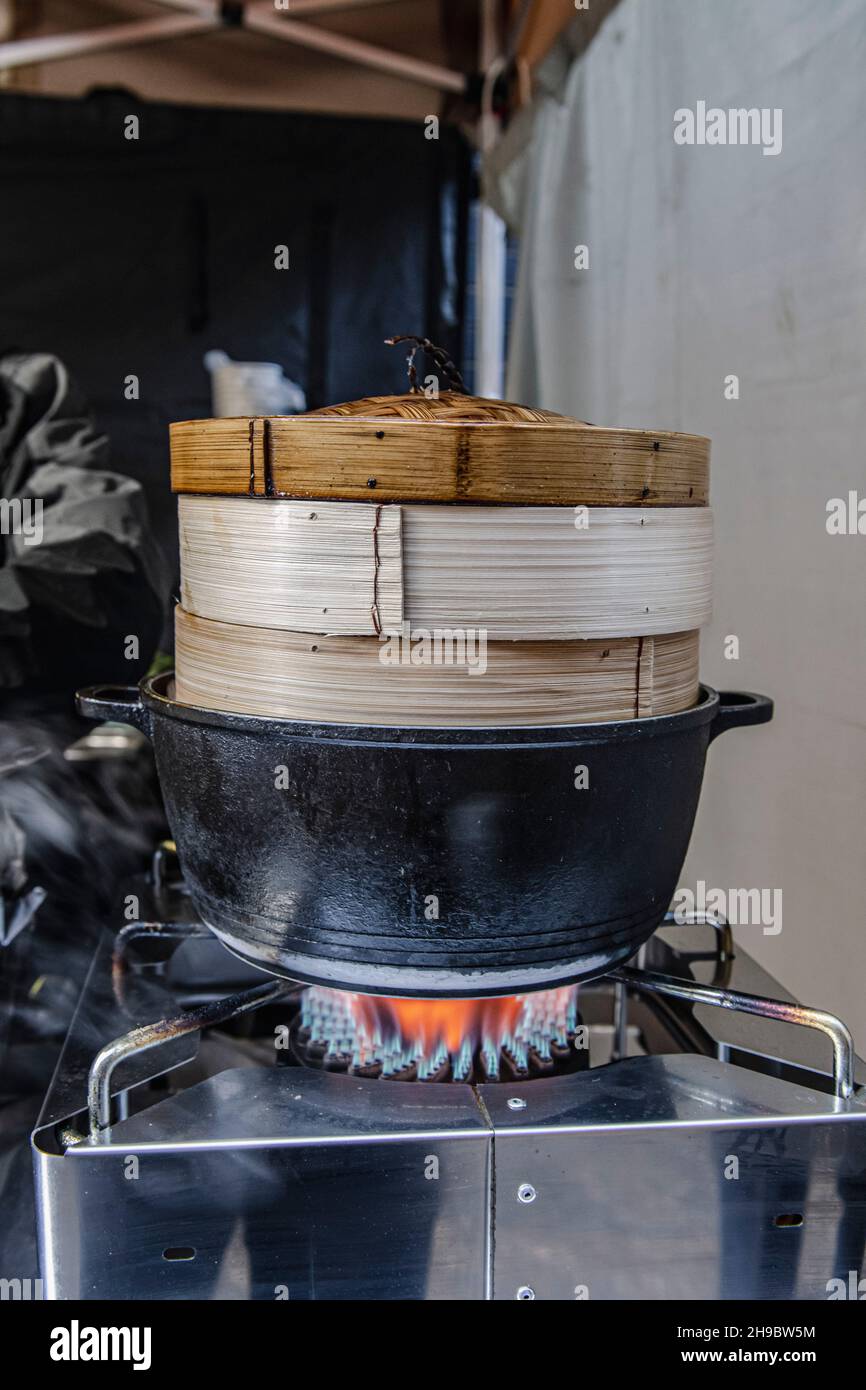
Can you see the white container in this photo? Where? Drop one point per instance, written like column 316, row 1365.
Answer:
column 251, row 388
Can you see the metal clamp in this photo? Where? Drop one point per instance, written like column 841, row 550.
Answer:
column 152, row 1034
column 832, row 1027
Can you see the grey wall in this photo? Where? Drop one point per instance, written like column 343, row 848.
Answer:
column 707, row 261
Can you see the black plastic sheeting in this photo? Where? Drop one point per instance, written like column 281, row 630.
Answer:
column 136, row 256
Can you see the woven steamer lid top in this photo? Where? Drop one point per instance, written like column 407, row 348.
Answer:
column 448, row 448
column 450, row 406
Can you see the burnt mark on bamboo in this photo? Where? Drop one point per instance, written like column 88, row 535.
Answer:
column 374, row 611
column 267, row 459
column 462, row 469
column 637, row 678
column 252, row 488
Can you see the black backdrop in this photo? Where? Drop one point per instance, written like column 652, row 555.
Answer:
column 136, row 256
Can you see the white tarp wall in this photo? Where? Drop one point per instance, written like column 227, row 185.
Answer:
column 707, row 261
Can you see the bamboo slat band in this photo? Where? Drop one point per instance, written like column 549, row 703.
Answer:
column 358, row 680
column 310, row 567
column 456, row 449
column 518, row 573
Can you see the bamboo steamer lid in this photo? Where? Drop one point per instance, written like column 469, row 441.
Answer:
column 450, row 448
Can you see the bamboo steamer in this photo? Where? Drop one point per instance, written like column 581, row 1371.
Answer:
column 518, row 573
column 308, row 541
column 453, row 448
column 364, row 680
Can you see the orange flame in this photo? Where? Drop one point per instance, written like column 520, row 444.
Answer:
column 429, row 1022
column 427, row 1035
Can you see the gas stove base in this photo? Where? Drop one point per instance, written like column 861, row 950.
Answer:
column 655, row 1178
column 714, row 1146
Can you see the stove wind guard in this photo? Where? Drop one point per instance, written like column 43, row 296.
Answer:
column 678, row 1131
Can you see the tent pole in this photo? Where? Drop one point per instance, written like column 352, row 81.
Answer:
column 19, row 53
column 299, row 8
column 262, row 18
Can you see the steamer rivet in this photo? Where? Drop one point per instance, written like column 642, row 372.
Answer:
column 525, row 1293
column 526, row 1192
column 515, row 1103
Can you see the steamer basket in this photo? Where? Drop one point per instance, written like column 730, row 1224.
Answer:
column 518, row 573
column 365, row 680
column 580, row 557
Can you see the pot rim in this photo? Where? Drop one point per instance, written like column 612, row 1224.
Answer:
column 158, row 702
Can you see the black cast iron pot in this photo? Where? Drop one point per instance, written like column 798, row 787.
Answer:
column 428, row 862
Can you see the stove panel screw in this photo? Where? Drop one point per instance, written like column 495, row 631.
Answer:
column 525, row 1293
column 516, row 1103
column 526, row 1193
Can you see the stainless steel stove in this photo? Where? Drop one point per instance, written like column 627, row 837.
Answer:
column 681, row 1129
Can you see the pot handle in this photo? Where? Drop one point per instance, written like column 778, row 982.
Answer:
column 738, row 708
column 121, row 704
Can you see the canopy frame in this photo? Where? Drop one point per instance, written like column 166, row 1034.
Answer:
column 256, row 16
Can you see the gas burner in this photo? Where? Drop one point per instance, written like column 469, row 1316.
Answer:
column 512, row 1039
column 266, row 1170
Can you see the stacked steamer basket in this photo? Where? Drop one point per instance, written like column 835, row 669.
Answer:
column 451, row 562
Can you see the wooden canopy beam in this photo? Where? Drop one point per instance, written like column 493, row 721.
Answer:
column 204, row 16
column 19, row 53
column 540, row 26
column 262, row 18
